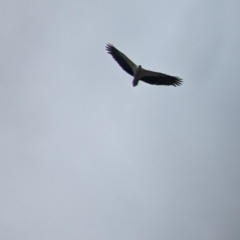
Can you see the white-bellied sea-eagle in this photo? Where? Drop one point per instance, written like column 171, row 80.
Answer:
column 140, row 73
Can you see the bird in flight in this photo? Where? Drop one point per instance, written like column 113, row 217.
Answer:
column 140, row 73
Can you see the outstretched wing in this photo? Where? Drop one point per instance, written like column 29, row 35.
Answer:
column 156, row 78
column 125, row 63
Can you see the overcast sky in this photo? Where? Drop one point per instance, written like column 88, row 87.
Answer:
column 84, row 155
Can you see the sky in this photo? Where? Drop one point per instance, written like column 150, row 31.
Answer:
column 84, row 155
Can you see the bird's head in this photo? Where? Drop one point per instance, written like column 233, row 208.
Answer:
column 138, row 70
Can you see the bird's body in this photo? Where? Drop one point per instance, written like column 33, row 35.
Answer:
column 140, row 73
column 137, row 75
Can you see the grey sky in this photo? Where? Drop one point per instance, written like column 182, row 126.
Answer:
column 84, row 155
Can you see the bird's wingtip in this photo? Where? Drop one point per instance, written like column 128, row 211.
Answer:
column 109, row 47
column 178, row 82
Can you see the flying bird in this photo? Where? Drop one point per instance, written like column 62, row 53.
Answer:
column 140, row 73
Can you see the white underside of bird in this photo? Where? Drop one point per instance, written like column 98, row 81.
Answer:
column 139, row 73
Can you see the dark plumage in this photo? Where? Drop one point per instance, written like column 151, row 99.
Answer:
column 139, row 73
column 118, row 56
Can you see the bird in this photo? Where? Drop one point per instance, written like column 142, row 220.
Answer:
column 139, row 73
